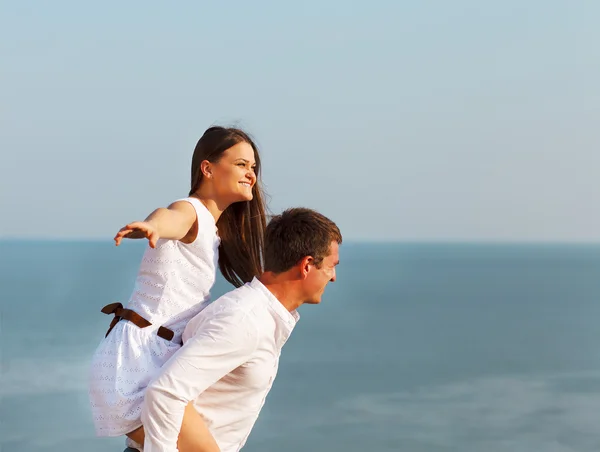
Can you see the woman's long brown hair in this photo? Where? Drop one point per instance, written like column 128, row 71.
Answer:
column 242, row 225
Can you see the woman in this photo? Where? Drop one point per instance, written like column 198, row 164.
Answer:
column 221, row 221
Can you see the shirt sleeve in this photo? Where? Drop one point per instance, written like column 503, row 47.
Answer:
column 219, row 345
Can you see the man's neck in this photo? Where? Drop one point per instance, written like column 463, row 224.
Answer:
column 284, row 288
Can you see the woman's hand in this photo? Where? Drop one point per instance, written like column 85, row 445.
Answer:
column 138, row 230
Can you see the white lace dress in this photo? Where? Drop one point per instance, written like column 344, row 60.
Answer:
column 172, row 286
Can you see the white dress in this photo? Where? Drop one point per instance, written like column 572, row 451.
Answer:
column 172, row 286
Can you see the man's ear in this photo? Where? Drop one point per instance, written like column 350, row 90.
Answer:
column 305, row 265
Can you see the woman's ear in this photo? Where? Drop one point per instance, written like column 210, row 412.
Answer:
column 206, row 168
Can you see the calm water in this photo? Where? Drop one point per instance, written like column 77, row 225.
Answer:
column 415, row 348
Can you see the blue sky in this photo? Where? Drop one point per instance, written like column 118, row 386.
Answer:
column 428, row 120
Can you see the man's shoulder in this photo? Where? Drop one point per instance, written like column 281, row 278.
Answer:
column 243, row 298
column 242, row 303
column 240, row 306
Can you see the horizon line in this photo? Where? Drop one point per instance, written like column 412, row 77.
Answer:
column 370, row 241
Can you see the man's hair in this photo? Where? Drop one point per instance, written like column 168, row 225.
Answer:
column 295, row 234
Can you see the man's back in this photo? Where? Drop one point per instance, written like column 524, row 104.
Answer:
column 230, row 359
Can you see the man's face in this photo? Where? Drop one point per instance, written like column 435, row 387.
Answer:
column 319, row 277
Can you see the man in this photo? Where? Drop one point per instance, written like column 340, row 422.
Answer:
column 231, row 350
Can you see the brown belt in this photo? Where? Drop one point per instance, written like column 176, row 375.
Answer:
column 127, row 314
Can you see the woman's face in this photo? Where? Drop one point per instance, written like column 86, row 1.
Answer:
column 234, row 174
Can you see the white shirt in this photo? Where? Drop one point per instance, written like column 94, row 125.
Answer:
column 226, row 366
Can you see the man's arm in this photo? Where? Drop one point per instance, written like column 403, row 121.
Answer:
column 219, row 346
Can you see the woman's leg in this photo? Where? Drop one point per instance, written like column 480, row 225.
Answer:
column 137, row 435
column 194, row 436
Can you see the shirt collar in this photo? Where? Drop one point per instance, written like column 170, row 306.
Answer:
column 289, row 318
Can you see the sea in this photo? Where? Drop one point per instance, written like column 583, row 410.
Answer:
column 418, row 347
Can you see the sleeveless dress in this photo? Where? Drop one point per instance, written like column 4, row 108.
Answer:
column 173, row 285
